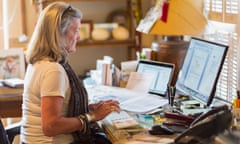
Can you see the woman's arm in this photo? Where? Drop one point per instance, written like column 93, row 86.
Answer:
column 53, row 123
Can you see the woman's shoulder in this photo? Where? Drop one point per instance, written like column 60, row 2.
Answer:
column 48, row 65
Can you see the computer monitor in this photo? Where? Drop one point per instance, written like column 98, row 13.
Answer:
column 163, row 74
column 201, row 69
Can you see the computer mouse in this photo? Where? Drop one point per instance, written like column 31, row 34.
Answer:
column 160, row 130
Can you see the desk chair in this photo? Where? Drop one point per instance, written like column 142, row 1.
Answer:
column 7, row 134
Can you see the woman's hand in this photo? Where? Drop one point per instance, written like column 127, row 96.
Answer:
column 94, row 106
column 103, row 108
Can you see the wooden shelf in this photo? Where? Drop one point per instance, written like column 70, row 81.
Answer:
column 133, row 43
column 87, row 43
column 106, row 43
column 75, row 0
column 45, row 3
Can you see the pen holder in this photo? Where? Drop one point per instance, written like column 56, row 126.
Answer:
column 172, row 100
column 168, row 108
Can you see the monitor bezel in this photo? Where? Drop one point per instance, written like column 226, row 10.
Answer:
column 213, row 91
column 158, row 63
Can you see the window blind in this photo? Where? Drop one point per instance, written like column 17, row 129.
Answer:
column 222, row 10
column 226, row 11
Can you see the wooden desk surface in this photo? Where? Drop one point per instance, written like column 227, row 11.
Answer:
column 10, row 102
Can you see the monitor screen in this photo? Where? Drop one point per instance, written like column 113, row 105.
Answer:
column 201, row 69
column 163, row 73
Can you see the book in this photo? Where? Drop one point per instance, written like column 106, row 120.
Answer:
column 121, row 120
column 14, row 82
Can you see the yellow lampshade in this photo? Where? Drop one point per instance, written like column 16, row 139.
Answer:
column 184, row 18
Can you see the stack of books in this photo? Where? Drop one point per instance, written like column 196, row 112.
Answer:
column 14, row 82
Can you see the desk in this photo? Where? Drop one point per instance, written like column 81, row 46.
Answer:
column 10, row 102
column 121, row 136
column 137, row 134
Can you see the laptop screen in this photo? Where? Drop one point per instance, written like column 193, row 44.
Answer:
column 163, row 73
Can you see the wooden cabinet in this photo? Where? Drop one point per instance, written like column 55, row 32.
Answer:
column 133, row 9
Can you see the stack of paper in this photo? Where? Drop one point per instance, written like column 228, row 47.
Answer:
column 14, row 82
column 121, row 120
column 130, row 100
column 143, row 103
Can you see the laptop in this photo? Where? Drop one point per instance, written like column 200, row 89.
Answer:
column 163, row 75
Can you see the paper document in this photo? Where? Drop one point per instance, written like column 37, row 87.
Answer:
column 140, row 82
column 149, row 20
column 143, row 104
column 130, row 100
column 14, row 82
column 121, row 120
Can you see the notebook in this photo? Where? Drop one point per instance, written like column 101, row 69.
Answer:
column 121, row 120
column 162, row 72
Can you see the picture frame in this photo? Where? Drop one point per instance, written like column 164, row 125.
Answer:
column 85, row 30
column 12, row 63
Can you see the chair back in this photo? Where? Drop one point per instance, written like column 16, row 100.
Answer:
column 3, row 134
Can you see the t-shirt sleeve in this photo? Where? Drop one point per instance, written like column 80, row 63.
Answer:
column 54, row 83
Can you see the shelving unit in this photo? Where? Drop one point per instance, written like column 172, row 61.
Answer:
column 133, row 43
column 107, row 43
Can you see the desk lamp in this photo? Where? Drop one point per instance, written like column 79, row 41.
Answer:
column 179, row 18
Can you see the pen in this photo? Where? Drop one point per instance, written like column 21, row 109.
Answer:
column 173, row 89
column 169, row 93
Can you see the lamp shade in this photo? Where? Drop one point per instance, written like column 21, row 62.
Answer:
column 184, row 18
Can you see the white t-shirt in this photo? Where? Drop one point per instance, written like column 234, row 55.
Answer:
column 44, row 78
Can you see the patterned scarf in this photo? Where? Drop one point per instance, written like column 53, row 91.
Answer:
column 78, row 104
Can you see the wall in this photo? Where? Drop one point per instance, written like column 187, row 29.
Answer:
column 85, row 59
column 15, row 20
column 81, row 60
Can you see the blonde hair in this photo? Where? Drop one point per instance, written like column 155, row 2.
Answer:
column 47, row 40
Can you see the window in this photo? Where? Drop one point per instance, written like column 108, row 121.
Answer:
column 225, row 12
column 222, row 10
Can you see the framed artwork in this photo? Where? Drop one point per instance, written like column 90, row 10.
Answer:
column 85, row 30
column 12, row 63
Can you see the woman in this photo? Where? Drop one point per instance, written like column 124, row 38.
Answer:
column 55, row 103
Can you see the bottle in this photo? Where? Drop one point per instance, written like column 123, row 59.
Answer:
column 236, row 101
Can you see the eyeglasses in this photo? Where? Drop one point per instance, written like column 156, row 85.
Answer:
column 69, row 8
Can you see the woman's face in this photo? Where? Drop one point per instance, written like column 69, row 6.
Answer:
column 72, row 35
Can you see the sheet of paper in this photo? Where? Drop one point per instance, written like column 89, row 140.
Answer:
column 151, row 139
column 103, row 92
column 149, row 20
column 143, row 104
column 130, row 100
column 140, row 82
column 129, row 65
column 121, row 120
